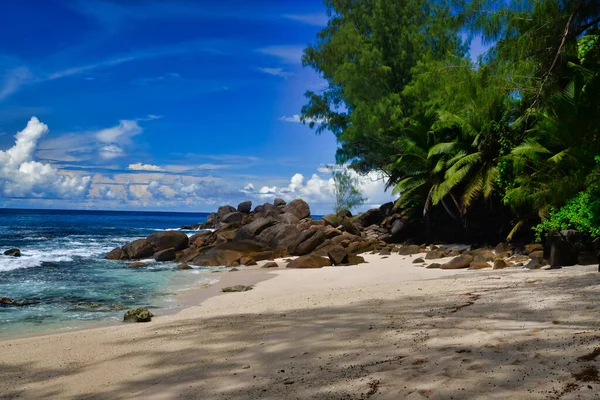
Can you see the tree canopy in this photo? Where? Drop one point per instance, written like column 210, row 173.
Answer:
column 516, row 132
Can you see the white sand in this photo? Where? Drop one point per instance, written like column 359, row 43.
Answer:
column 383, row 330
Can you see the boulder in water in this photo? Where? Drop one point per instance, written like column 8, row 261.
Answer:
column 138, row 315
column 116, row 254
column 167, row 239
column 13, row 252
column 141, row 248
column 166, row 255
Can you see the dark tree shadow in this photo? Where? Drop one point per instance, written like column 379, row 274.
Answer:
column 496, row 339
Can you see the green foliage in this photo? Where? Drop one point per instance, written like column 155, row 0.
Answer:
column 346, row 191
column 520, row 125
column 581, row 212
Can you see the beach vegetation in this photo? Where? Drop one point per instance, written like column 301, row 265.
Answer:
column 513, row 133
column 346, row 190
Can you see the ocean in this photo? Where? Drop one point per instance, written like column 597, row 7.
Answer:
column 64, row 277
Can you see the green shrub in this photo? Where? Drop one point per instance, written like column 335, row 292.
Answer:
column 582, row 212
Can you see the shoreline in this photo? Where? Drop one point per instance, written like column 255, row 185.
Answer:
column 337, row 331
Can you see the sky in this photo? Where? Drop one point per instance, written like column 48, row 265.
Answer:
column 155, row 105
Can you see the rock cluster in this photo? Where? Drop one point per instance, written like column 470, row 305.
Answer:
column 242, row 236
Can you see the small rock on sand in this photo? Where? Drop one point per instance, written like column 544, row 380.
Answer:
column 236, row 288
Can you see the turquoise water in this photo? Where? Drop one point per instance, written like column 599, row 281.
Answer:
column 64, row 278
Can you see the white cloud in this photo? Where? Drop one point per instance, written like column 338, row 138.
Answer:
column 316, row 19
column 107, row 193
column 144, row 167
column 318, row 191
column 276, row 72
column 111, row 151
column 21, row 176
column 296, row 119
column 289, row 54
column 108, row 143
column 13, row 80
column 125, row 129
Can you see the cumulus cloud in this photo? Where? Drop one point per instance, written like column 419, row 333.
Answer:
column 144, row 167
column 21, row 176
column 318, row 190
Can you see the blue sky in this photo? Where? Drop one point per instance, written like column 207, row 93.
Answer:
column 179, row 105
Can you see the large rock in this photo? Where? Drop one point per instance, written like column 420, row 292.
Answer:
column 288, row 218
column 299, row 208
column 245, row 207
column 409, row 250
column 224, row 210
column 268, row 210
column 228, row 257
column 13, row 252
column 232, row 217
column 211, row 220
column 167, row 239
column 254, row 228
column 530, row 248
column 141, row 248
column 482, row 255
column 499, row 263
column 370, row 217
column 354, row 259
column 435, row 254
column 116, row 254
column 350, row 227
column 166, row 255
column 479, row 265
column 279, row 202
column 310, row 261
column 331, row 220
column 307, row 242
column 338, row 255
column 138, row 315
column 280, row 236
column 397, row 226
column 460, row 262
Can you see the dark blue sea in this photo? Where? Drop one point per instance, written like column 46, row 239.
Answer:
column 62, row 272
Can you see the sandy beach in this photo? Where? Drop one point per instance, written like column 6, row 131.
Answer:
column 384, row 330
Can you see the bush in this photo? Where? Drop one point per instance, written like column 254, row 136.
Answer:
column 582, row 212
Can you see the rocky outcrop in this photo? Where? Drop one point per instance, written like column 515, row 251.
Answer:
column 116, row 254
column 166, row 255
column 141, row 248
column 299, row 208
column 245, row 207
column 167, row 239
column 224, row 210
column 13, row 252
